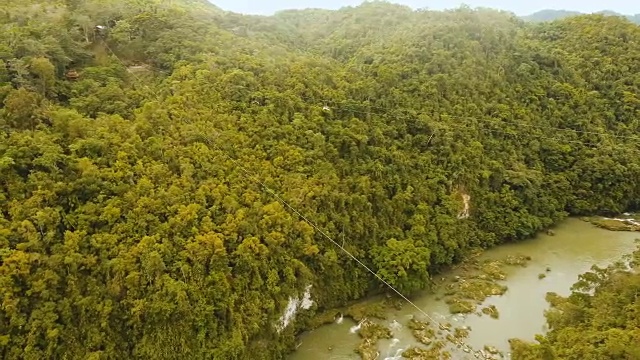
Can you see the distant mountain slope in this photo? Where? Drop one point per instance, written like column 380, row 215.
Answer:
column 550, row 15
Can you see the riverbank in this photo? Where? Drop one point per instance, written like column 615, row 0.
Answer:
column 576, row 246
column 626, row 222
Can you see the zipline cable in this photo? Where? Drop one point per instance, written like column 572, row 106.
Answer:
column 250, row 176
column 348, row 106
column 459, row 343
column 388, row 110
column 253, row 178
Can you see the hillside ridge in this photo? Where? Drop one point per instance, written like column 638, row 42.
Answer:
column 551, row 15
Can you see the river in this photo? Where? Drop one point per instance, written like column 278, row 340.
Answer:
column 576, row 246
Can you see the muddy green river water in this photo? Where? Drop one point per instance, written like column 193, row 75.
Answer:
column 576, row 246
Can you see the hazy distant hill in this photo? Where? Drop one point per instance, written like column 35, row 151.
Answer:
column 550, row 15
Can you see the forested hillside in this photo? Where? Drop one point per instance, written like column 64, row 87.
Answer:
column 135, row 134
column 550, row 15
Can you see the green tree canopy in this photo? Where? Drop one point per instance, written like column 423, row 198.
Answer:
column 138, row 139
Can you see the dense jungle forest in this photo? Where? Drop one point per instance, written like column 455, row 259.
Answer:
column 141, row 142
